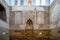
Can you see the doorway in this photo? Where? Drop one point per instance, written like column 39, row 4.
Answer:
column 29, row 29
column 29, row 24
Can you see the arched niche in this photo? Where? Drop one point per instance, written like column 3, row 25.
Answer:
column 2, row 13
column 29, row 24
column 7, row 9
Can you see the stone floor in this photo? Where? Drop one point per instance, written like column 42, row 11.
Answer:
column 33, row 39
column 28, row 35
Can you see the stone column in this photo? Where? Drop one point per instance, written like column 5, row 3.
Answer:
column 35, row 15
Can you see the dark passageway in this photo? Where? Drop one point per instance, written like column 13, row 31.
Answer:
column 2, row 13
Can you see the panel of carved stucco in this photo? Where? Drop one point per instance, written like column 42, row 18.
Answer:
column 18, row 17
column 40, row 18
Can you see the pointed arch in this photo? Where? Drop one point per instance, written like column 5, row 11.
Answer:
column 29, row 24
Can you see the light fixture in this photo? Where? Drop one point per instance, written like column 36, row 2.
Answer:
column 40, row 33
column 3, row 33
column 30, row 2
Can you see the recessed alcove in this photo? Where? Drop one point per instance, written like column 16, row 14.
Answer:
column 29, row 24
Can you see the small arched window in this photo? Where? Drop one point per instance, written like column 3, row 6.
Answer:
column 2, row 13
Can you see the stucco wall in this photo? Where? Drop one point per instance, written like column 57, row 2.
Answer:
column 55, row 19
column 55, row 14
column 38, row 15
